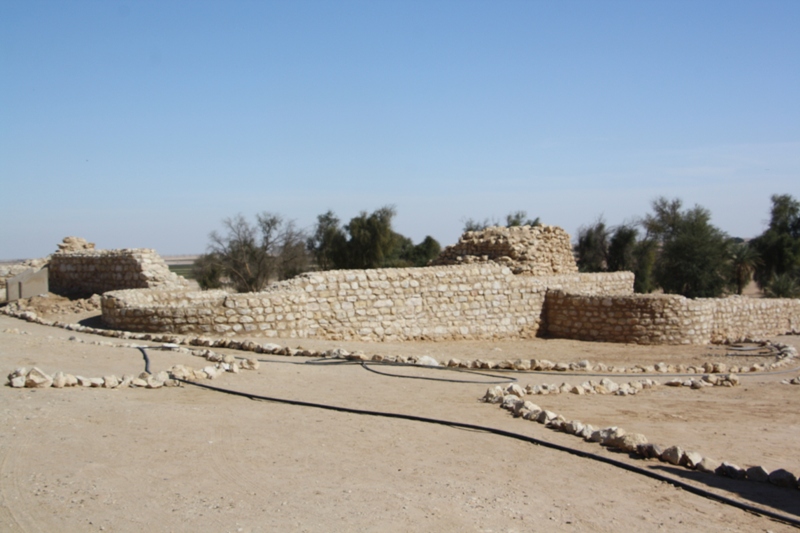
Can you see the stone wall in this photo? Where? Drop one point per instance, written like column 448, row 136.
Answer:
column 478, row 301
column 759, row 317
column 531, row 250
column 86, row 272
column 668, row 319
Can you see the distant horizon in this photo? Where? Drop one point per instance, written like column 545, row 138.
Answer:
column 144, row 124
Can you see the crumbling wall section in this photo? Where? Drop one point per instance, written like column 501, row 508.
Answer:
column 528, row 250
column 86, row 272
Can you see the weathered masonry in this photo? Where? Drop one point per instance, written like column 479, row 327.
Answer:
column 668, row 319
column 498, row 283
column 477, row 301
column 97, row 271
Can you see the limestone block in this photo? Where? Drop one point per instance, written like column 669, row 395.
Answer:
column 37, row 379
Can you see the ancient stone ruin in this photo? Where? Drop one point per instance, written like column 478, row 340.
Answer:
column 531, row 250
column 499, row 283
column 86, row 271
column 78, row 269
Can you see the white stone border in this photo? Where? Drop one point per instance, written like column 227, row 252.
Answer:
column 512, row 398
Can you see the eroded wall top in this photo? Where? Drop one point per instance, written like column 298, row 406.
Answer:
column 78, row 269
column 530, row 250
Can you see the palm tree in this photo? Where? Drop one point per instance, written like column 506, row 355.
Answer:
column 782, row 286
column 744, row 260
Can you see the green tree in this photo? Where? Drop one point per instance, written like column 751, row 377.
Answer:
column 645, row 254
column 782, row 286
column 251, row 255
column 328, row 243
column 367, row 241
column 513, row 219
column 372, row 240
column 520, row 218
column 477, row 225
column 592, row 247
column 665, row 220
column 621, row 249
column 207, row 271
column 694, row 258
column 419, row 255
column 779, row 246
column 744, row 261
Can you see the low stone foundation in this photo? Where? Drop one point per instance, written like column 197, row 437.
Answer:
column 480, row 301
column 668, row 319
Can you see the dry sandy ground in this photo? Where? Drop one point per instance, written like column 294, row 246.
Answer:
column 188, row 459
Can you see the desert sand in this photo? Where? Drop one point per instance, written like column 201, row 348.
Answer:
column 189, row 459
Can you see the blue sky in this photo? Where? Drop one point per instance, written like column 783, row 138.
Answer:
column 144, row 124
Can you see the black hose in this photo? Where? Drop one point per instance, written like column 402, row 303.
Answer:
column 366, row 365
column 146, row 359
column 532, row 440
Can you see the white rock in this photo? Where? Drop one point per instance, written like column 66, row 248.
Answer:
column 609, row 385
column 708, row 465
column 20, row 371
column 691, row 459
column 59, row 380
column 612, row 436
column 427, row 360
column 574, row 427
column 37, row 379
column 731, row 470
column 515, row 389
column 530, row 406
column 154, row 383
column 546, row 416
column 510, row 402
column 672, row 455
column 212, row 371
column 630, row 442
column 522, row 364
column 493, row 395
column 272, row 348
column 587, row 431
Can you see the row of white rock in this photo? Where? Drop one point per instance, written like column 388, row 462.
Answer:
column 608, row 386
column 793, row 381
column 784, row 354
column 36, row 378
column 512, row 398
column 228, row 361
